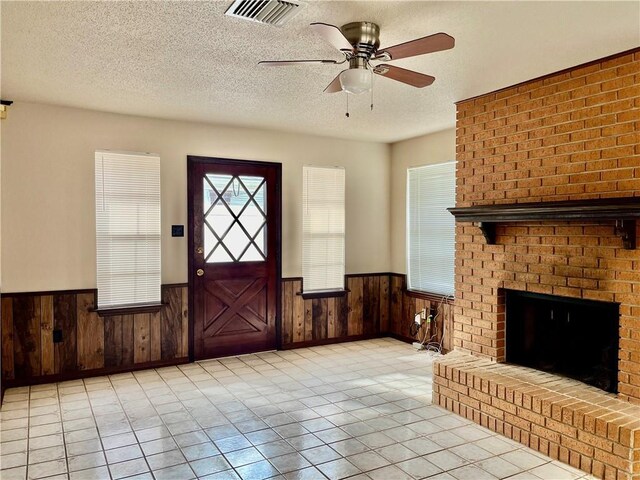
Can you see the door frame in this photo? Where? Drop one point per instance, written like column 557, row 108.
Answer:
column 192, row 162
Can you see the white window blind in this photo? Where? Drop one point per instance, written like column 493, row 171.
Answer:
column 323, row 228
column 127, row 228
column 431, row 228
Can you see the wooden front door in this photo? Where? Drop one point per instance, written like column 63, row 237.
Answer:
column 234, row 267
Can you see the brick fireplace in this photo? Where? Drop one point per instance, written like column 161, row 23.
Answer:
column 570, row 136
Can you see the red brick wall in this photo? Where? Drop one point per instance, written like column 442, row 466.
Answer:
column 572, row 135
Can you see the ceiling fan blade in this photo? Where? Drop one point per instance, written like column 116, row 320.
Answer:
column 420, row 46
column 332, row 35
column 334, row 86
column 284, row 63
column 403, row 75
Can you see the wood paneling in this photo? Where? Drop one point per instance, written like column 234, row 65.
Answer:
column 371, row 305
column 128, row 346
column 287, row 312
column 27, row 337
column 355, row 300
column 90, row 334
column 298, row 313
column 142, row 338
column 395, row 299
column 342, row 314
column 65, row 320
column 90, row 343
column 331, row 317
column 374, row 305
column 155, row 342
column 362, row 312
column 404, row 305
column 320, row 318
column 171, row 325
column 46, row 335
column 113, row 341
column 7, row 339
column 384, row 305
column 308, row 320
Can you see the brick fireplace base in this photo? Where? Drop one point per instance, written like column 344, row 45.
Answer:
column 563, row 418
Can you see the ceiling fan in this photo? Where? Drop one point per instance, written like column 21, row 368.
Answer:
column 360, row 42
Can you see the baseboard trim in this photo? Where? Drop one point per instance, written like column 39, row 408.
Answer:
column 330, row 341
column 402, row 338
column 96, row 372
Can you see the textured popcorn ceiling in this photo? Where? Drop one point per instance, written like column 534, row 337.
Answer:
column 186, row 60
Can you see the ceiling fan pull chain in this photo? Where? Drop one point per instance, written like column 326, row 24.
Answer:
column 372, row 85
column 347, row 114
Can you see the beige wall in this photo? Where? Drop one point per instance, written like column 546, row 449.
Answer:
column 48, row 216
column 434, row 148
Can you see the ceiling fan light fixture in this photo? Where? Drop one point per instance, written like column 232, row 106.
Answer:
column 356, row 80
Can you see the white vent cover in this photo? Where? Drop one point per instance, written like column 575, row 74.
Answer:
column 271, row 12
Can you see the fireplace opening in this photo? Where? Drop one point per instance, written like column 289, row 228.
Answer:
column 571, row 337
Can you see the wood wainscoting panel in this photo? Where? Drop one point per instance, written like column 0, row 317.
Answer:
column 342, row 315
column 127, row 340
column 308, row 320
column 113, row 341
column 371, row 305
column 319, row 308
column 355, row 300
column 287, row 312
column 384, row 305
column 171, row 332
column 362, row 312
column 331, row 317
column 142, row 338
column 374, row 305
column 155, row 337
column 91, row 330
column 90, row 344
column 396, row 294
column 65, row 318
column 405, row 304
column 27, row 336
column 7, row 338
column 46, row 335
column 298, row 313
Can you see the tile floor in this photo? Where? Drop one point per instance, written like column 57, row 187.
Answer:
column 360, row 410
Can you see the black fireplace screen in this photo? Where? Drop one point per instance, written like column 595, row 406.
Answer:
column 571, row 337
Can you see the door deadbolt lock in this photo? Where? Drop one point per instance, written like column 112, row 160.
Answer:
column 200, row 272
column 200, row 250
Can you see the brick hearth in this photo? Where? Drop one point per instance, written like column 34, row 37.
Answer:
column 565, row 419
column 568, row 136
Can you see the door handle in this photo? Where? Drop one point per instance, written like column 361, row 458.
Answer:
column 199, row 250
column 200, row 272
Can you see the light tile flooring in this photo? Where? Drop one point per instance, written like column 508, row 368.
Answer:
column 360, row 410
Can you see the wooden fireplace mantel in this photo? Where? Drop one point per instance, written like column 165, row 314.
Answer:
column 625, row 211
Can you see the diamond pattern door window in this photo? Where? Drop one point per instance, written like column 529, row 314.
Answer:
column 235, row 218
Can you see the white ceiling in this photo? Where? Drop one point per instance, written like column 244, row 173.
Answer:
column 186, row 60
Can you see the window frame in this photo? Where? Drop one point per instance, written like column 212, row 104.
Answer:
column 147, row 304
column 327, row 292
column 412, row 290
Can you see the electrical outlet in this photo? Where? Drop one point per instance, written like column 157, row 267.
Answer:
column 57, row 336
column 423, row 314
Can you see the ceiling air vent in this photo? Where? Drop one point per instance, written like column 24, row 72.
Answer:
column 271, row 12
